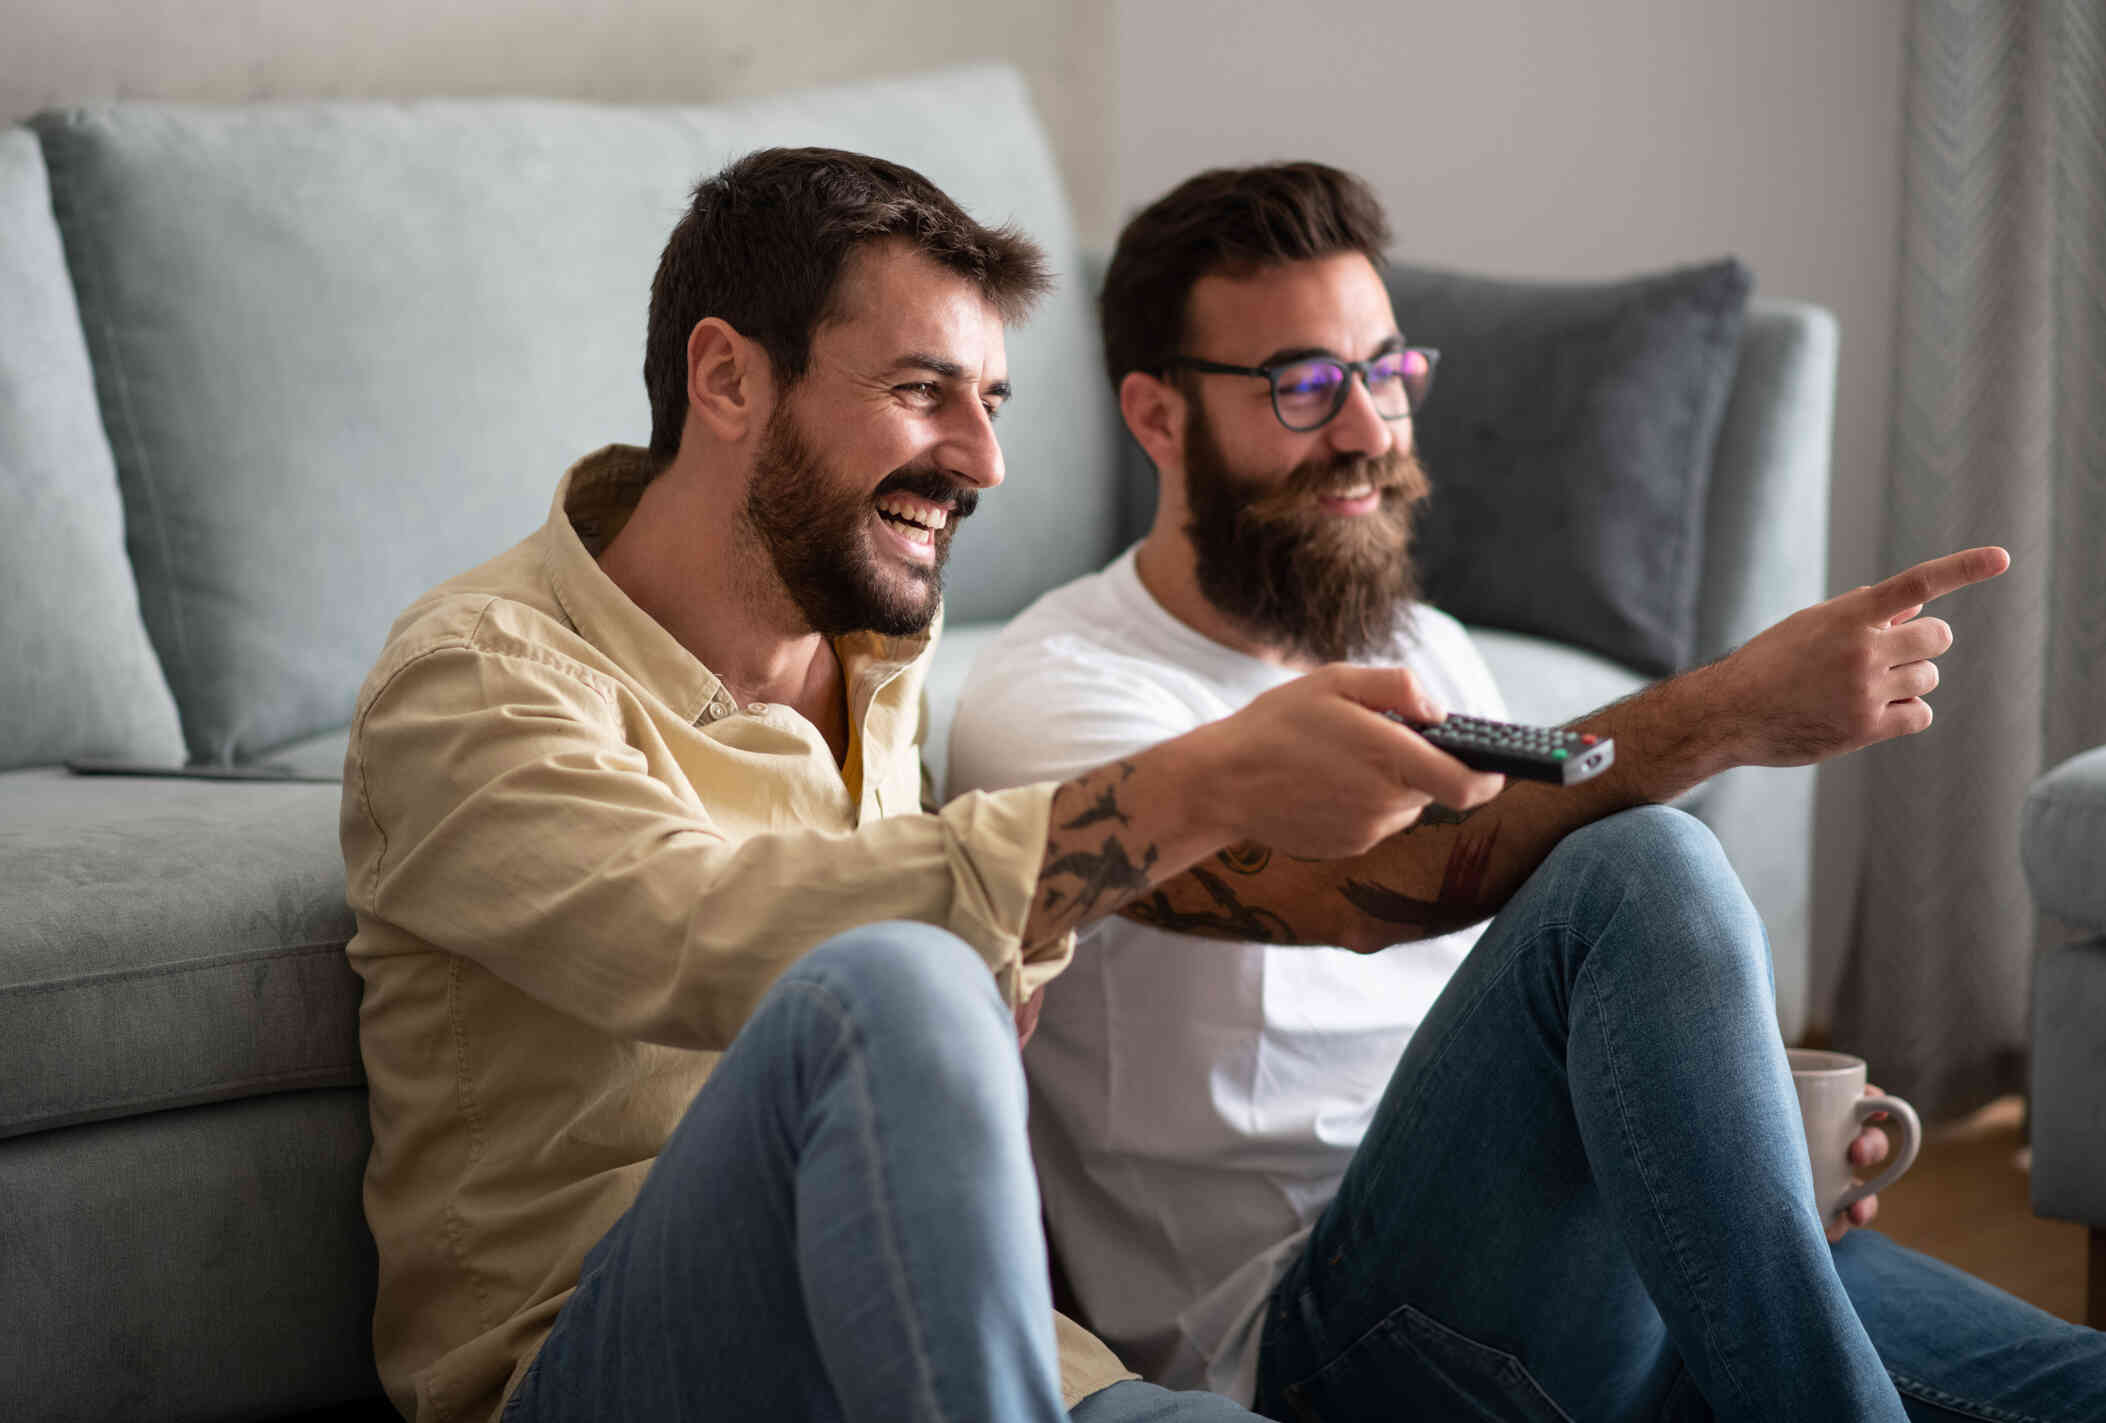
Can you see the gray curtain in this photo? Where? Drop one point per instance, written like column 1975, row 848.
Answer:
column 1999, row 436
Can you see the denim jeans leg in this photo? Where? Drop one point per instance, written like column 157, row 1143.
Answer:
column 1585, row 1193
column 1131, row 1401
column 1961, row 1349
column 844, row 1225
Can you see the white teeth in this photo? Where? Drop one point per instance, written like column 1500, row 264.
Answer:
column 926, row 516
column 1358, row 491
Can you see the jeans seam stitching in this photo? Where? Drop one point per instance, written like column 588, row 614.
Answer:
column 1670, row 1235
column 852, row 1039
column 1940, row 1398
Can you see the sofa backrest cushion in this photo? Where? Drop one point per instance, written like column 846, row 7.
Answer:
column 1569, row 437
column 79, row 677
column 344, row 351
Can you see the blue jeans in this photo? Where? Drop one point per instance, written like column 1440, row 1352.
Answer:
column 845, row 1224
column 1586, row 1195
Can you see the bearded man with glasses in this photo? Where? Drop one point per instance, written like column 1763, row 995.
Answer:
column 1524, row 1143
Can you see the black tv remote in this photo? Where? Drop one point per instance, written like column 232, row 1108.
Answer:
column 1532, row 753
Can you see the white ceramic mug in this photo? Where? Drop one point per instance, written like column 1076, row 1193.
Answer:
column 1833, row 1106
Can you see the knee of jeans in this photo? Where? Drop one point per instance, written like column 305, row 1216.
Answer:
column 915, row 982
column 1666, row 863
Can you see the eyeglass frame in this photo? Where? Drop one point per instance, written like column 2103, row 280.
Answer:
column 1271, row 374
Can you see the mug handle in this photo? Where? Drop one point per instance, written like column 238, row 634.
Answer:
column 1911, row 1139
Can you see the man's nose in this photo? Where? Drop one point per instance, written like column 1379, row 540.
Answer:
column 970, row 449
column 1358, row 427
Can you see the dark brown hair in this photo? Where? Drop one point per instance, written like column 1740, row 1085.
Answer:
column 763, row 244
column 1231, row 221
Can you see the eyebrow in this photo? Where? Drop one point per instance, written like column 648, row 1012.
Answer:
column 949, row 370
column 1287, row 355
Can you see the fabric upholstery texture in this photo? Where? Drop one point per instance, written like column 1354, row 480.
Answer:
column 2066, row 1104
column 164, row 943
column 81, row 679
column 1569, row 437
column 2062, row 839
column 237, row 1283
column 302, row 450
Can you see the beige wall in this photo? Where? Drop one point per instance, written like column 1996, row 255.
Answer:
column 1583, row 140
column 616, row 51
column 1507, row 136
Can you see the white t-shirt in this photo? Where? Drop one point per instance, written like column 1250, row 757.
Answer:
column 1194, row 1103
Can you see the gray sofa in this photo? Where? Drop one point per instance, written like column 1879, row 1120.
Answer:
column 266, row 373
column 2062, row 840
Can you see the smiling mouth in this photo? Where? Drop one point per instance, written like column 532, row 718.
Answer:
column 915, row 520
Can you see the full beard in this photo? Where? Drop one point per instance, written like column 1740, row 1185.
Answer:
column 1332, row 588
column 815, row 529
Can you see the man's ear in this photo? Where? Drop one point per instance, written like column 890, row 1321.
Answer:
column 1155, row 412
column 730, row 381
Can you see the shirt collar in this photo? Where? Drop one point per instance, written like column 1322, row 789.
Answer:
column 593, row 501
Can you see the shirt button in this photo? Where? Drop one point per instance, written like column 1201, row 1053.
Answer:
column 757, row 708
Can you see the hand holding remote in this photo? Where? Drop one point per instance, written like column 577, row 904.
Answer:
column 1309, row 769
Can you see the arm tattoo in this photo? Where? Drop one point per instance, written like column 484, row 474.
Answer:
column 1379, row 901
column 1462, row 884
column 1105, row 807
column 1467, row 862
column 1230, row 918
column 1438, row 814
column 1075, row 877
column 1105, row 870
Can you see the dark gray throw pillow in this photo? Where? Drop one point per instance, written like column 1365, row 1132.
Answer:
column 1569, row 437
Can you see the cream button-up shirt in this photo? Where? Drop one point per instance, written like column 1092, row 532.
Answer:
column 577, row 864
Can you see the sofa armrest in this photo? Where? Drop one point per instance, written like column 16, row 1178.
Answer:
column 1766, row 520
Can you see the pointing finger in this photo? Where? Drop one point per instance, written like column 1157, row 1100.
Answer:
column 1916, row 586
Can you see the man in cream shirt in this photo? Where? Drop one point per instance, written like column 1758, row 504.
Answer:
column 1524, row 1145
column 692, row 1037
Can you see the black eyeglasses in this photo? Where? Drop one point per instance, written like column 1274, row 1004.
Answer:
column 1308, row 393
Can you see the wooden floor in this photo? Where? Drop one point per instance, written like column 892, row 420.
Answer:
column 1965, row 1202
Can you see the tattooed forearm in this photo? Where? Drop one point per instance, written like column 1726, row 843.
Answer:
column 1228, row 918
column 1106, row 870
column 1080, row 878
column 1459, row 901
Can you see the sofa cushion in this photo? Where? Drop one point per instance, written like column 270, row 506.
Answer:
column 164, row 943
column 1569, row 438
column 2062, row 839
column 196, row 1265
column 81, row 679
column 346, row 350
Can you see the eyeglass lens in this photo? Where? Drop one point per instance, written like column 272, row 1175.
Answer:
column 1308, row 393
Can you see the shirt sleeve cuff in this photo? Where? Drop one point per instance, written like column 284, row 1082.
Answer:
column 996, row 842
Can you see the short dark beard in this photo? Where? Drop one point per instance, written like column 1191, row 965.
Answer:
column 1305, row 582
column 815, row 529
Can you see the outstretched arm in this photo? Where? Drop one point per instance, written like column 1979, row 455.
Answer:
column 1829, row 679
